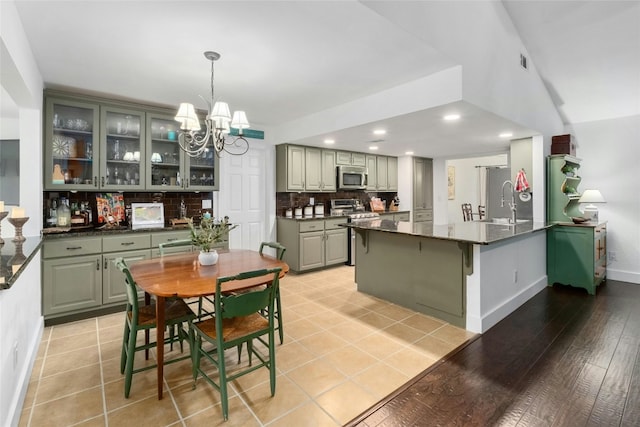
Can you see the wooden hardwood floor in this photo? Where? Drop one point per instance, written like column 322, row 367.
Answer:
column 562, row 359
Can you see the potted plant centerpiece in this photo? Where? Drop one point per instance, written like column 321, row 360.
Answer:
column 207, row 234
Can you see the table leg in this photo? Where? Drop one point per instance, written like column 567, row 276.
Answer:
column 160, row 340
column 147, row 301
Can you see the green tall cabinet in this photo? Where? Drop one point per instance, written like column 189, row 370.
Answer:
column 576, row 253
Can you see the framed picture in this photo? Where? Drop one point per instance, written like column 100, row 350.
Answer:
column 451, row 182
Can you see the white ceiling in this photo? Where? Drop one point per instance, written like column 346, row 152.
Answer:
column 288, row 59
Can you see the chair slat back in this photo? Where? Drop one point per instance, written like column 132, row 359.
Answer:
column 175, row 243
column 130, row 286
column 245, row 303
column 467, row 214
column 275, row 245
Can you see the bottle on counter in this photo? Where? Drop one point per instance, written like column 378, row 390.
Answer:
column 63, row 214
column 52, row 217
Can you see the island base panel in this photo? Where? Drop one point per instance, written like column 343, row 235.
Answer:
column 424, row 275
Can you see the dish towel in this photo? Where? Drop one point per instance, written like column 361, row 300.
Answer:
column 521, row 182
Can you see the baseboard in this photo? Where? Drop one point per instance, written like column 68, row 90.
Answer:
column 509, row 306
column 623, row 276
column 17, row 403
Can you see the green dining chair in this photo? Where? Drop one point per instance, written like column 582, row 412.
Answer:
column 237, row 320
column 174, row 244
column 143, row 318
column 280, row 250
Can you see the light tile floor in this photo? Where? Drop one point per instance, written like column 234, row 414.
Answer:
column 343, row 352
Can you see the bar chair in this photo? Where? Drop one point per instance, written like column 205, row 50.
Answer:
column 238, row 319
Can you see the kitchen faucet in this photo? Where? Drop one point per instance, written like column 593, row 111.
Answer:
column 512, row 205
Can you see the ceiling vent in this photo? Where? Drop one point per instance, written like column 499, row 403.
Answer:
column 523, row 62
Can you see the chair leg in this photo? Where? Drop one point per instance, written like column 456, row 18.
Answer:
column 196, row 349
column 272, row 363
column 224, row 397
column 279, row 316
column 125, row 343
column 146, row 341
column 131, row 355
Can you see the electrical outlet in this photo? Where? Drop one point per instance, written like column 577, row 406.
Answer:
column 613, row 256
column 515, row 276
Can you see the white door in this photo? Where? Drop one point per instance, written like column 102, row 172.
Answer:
column 243, row 195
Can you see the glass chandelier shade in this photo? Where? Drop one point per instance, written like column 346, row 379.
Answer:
column 218, row 123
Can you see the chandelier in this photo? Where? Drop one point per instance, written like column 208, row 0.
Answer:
column 218, row 124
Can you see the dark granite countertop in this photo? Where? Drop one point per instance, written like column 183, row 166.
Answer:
column 14, row 257
column 93, row 232
column 478, row 232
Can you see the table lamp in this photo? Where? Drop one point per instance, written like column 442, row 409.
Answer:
column 591, row 211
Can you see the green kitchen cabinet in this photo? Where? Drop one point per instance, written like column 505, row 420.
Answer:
column 422, row 184
column 313, row 243
column 577, row 255
column 320, row 170
column 93, row 143
column 562, row 188
column 382, row 173
column 113, row 287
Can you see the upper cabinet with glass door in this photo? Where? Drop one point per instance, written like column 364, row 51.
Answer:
column 169, row 167
column 122, row 149
column 71, row 132
column 164, row 158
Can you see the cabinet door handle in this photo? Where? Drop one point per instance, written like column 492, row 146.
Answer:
column 104, row 265
column 172, row 240
column 186, row 183
column 102, row 180
column 128, row 243
column 97, row 264
column 73, row 248
column 95, row 181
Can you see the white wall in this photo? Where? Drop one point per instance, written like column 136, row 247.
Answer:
column 610, row 153
column 505, row 276
column 21, row 319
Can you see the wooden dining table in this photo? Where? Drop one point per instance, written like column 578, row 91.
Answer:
column 182, row 276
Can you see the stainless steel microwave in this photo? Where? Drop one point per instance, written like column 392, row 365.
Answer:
column 352, row 178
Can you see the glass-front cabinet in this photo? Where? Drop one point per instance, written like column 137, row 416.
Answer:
column 122, row 149
column 71, row 132
column 98, row 144
column 170, row 167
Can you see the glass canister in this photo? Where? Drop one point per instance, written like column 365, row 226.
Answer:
column 63, row 214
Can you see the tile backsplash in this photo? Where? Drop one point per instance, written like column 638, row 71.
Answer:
column 171, row 202
column 292, row 200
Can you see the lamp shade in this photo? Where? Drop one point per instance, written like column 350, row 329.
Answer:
column 187, row 117
column 591, row 196
column 220, row 111
column 240, row 120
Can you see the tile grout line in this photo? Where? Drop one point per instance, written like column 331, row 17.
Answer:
column 104, row 393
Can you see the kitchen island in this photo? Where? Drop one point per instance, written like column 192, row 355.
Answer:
column 470, row 274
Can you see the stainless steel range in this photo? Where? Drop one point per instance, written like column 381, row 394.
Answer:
column 354, row 210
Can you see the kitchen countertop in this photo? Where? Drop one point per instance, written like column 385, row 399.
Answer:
column 14, row 257
column 477, row 232
column 91, row 232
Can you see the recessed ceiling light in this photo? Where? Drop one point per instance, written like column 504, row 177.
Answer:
column 452, row 117
column 505, row 135
column 329, row 141
column 379, row 132
column 408, row 153
column 373, row 147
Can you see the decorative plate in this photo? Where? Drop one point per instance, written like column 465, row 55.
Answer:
column 62, row 146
